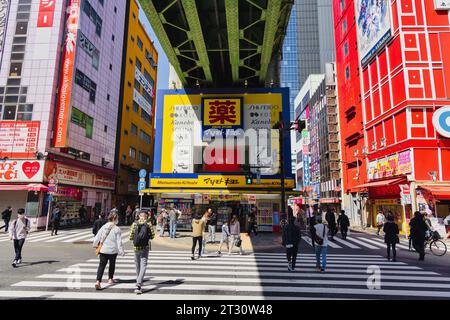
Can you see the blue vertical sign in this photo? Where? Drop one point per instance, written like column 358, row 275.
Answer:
column 306, row 175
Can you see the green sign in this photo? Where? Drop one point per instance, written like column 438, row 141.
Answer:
column 83, row 120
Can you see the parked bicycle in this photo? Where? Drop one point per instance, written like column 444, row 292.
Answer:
column 433, row 242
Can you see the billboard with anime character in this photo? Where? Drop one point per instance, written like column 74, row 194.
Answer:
column 373, row 27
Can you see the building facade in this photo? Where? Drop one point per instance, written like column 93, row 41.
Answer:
column 351, row 118
column 136, row 126
column 59, row 111
column 405, row 75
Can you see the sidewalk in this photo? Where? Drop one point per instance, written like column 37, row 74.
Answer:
column 263, row 241
column 373, row 231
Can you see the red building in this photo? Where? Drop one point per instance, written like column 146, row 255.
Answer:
column 405, row 66
column 354, row 171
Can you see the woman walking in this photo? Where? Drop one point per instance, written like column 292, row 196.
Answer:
column 109, row 238
column 391, row 238
column 291, row 238
column 321, row 247
column 226, row 236
column 235, row 231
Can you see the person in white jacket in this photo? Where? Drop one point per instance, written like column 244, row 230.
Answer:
column 110, row 239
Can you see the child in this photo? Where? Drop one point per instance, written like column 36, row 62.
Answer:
column 225, row 236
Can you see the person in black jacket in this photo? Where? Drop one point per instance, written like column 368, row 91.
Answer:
column 98, row 224
column 391, row 232
column 291, row 237
column 343, row 222
column 331, row 220
column 6, row 216
column 418, row 228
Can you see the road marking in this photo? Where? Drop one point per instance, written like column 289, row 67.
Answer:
column 85, row 233
column 361, row 243
column 348, row 244
column 80, row 237
column 384, row 244
column 49, row 237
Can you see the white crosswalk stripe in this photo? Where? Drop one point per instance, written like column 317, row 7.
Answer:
column 172, row 275
column 361, row 243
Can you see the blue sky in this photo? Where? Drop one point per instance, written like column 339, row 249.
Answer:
column 163, row 63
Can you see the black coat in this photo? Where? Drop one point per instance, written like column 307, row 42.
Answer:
column 331, row 219
column 343, row 221
column 98, row 224
column 418, row 228
column 291, row 235
column 391, row 232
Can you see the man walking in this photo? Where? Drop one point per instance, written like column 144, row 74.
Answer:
column 290, row 240
column 343, row 223
column 331, row 221
column 98, row 224
column 173, row 218
column 321, row 247
column 380, row 221
column 6, row 216
column 18, row 233
column 418, row 229
column 252, row 222
column 56, row 218
column 82, row 212
column 141, row 234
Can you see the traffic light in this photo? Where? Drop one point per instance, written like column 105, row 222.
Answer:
column 249, row 179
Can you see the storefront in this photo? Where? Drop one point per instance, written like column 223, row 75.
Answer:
column 76, row 186
column 224, row 203
column 434, row 199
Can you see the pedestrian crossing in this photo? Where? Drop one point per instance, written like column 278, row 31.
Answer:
column 64, row 236
column 257, row 276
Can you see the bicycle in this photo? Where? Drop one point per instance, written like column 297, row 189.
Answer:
column 433, row 242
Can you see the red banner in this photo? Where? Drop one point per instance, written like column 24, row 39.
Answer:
column 62, row 119
column 46, row 13
column 19, row 139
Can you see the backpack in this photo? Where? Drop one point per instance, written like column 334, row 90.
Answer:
column 141, row 235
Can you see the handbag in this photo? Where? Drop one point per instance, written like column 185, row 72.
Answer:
column 100, row 245
column 238, row 243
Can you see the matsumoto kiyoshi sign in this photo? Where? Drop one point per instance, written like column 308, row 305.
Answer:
column 441, row 121
column 373, row 26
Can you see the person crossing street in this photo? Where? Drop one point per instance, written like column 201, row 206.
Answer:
column 418, row 229
column 391, row 238
column 141, row 234
column 18, row 232
column 331, row 220
column 343, row 223
column 291, row 237
column 380, row 221
column 6, row 217
column 321, row 247
column 56, row 218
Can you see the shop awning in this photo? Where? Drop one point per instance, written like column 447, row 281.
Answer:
column 23, row 187
column 389, row 182
column 439, row 192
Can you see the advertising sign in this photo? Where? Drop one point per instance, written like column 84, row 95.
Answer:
column 66, row 82
column 19, row 139
column 78, row 177
column 21, row 171
column 398, row 164
column 373, row 25
column 306, row 175
column 441, row 121
column 214, row 181
column 143, row 81
column 442, row 4
column 222, row 113
column 46, row 13
column 4, row 14
column 140, row 100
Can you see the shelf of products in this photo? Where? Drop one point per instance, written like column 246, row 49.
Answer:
column 265, row 216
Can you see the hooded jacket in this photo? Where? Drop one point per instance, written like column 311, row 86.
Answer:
column 198, row 225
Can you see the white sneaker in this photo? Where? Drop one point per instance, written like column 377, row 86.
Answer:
column 19, row 261
column 138, row 290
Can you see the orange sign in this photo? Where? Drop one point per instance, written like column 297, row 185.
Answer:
column 62, row 119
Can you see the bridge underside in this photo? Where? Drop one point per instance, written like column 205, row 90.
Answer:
column 220, row 43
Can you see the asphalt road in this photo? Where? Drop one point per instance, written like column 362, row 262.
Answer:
column 357, row 269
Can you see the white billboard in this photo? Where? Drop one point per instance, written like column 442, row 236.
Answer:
column 442, row 4
column 12, row 171
column 373, row 24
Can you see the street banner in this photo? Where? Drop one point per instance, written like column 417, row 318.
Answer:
column 66, row 82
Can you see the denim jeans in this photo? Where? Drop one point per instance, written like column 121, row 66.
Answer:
column 141, row 259
column 212, row 233
column 321, row 251
column 173, row 229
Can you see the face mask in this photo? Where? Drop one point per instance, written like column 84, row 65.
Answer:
column 116, row 222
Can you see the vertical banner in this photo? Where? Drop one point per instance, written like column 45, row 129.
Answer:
column 46, row 13
column 4, row 13
column 66, row 82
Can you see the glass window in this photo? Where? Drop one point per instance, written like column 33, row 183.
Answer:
column 21, row 28
column 132, row 153
column 347, row 72
column 138, row 64
column 139, row 43
column 16, row 69
column 134, row 129
column 145, row 137
column 346, row 49
column 9, row 113
column 135, row 107
column 146, row 116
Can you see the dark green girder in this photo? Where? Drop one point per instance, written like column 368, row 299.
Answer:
column 220, row 43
